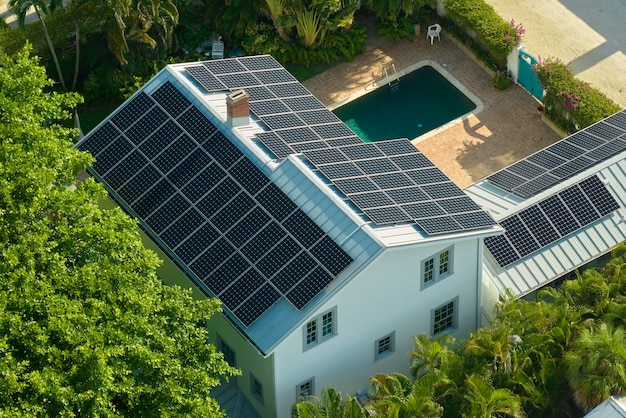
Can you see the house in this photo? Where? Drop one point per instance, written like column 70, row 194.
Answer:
column 562, row 207
column 613, row 407
column 328, row 254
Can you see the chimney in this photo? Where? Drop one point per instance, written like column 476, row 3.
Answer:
column 238, row 108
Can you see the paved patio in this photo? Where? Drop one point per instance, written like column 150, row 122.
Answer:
column 507, row 129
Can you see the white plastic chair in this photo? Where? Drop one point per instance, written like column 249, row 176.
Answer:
column 217, row 51
column 434, row 31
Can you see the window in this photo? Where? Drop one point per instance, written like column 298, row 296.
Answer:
column 445, row 317
column 256, row 387
column 321, row 328
column 227, row 351
column 306, row 388
column 384, row 346
column 436, row 267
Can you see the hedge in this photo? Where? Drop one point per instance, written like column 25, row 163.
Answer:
column 496, row 36
column 569, row 102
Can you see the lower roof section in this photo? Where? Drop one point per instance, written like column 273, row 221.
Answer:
column 564, row 255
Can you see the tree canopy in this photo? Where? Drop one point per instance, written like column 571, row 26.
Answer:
column 86, row 326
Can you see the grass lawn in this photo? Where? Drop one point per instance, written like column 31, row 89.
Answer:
column 89, row 119
column 301, row 72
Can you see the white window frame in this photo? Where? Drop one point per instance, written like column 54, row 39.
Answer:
column 432, row 267
column 311, row 391
column 454, row 317
column 256, row 388
column 319, row 329
column 391, row 346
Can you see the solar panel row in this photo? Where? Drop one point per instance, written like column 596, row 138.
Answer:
column 211, row 206
column 550, row 220
column 564, row 159
column 392, row 182
column 299, row 123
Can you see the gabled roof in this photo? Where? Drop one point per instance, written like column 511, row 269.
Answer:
column 274, row 216
column 561, row 207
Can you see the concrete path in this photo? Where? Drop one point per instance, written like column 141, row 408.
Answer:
column 591, row 34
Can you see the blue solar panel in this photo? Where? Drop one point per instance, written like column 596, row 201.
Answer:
column 203, row 182
column 293, row 272
column 232, row 212
column 182, row 228
column 248, row 227
column 171, row 99
column 196, row 124
column 278, row 256
column 168, row 213
column 157, row 142
column 329, row 253
column 175, row 153
column 227, row 273
column 132, row 110
column 242, row 288
column 196, row 243
column 259, row 302
column 218, row 197
column 113, row 155
column 106, row 134
column 563, row 160
column 267, row 238
column 153, row 198
column 209, row 204
column 146, row 125
column 551, row 219
column 118, row 175
column 314, row 283
column 189, row 167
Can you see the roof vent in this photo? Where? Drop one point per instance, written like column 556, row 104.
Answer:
column 238, row 108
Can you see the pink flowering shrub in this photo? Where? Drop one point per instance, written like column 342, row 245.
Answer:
column 571, row 103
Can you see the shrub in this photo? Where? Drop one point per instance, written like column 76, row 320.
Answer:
column 501, row 79
column 481, row 22
column 569, row 102
column 338, row 45
column 395, row 30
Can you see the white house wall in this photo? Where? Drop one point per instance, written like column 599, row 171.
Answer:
column 384, row 298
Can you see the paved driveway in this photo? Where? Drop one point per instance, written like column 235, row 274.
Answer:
column 591, row 34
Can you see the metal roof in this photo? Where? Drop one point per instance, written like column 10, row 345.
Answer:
column 564, row 255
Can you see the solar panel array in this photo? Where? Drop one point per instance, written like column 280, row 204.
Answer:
column 392, row 182
column 550, row 220
column 296, row 119
column 211, row 206
column 565, row 158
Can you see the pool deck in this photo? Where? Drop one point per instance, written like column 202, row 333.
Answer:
column 506, row 129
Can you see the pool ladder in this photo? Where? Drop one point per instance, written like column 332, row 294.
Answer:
column 394, row 84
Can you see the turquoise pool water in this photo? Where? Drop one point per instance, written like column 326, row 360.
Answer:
column 425, row 101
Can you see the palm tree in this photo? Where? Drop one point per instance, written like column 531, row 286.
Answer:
column 41, row 7
column 430, row 354
column 596, row 365
column 329, row 405
column 277, row 11
column 486, row 402
column 397, row 396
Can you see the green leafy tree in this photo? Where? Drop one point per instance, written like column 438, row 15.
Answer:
column 86, row 327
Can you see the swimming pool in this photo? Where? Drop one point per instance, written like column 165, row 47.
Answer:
column 426, row 100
